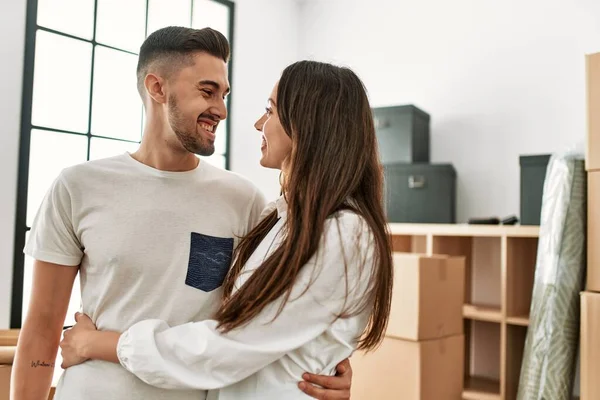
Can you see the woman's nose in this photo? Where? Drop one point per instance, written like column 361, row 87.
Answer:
column 258, row 125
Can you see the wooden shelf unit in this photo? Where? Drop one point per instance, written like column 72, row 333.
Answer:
column 500, row 268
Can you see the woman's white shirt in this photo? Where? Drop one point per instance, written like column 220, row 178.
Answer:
column 265, row 358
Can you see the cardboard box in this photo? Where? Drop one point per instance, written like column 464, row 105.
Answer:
column 407, row 370
column 428, row 297
column 590, row 346
column 5, row 381
column 593, row 112
column 593, row 232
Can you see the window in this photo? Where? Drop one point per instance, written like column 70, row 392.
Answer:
column 78, row 54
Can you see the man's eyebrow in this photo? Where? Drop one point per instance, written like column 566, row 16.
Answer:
column 214, row 84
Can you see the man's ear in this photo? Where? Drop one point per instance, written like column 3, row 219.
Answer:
column 155, row 86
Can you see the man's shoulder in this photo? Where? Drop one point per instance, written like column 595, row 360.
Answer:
column 85, row 169
column 230, row 180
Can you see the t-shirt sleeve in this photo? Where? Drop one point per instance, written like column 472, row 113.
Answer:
column 259, row 203
column 52, row 237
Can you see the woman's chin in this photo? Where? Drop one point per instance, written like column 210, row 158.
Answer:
column 264, row 162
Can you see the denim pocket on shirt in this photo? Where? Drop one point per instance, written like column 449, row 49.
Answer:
column 210, row 259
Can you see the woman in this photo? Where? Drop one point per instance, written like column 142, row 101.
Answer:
column 309, row 285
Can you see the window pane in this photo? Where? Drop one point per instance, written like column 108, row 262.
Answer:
column 221, row 138
column 75, row 17
column 74, row 305
column 49, row 154
column 104, row 148
column 163, row 13
column 121, row 24
column 217, row 160
column 212, row 14
column 116, row 105
column 61, row 82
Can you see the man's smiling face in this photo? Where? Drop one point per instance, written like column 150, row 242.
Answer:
column 196, row 103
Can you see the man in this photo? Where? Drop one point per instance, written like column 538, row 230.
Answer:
column 151, row 233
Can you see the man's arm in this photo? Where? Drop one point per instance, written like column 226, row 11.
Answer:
column 41, row 332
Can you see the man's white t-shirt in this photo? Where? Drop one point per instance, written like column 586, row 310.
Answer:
column 151, row 244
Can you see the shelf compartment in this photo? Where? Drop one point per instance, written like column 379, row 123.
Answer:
column 481, row 389
column 482, row 266
column 521, row 254
column 515, row 345
column 409, row 244
column 482, row 359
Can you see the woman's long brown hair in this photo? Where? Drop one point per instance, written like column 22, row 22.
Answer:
column 335, row 158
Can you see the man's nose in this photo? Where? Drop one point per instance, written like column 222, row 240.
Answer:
column 220, row 110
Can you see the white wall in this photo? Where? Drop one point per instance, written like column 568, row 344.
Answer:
column 12, row 47
column 509, row 73
column 266, row 41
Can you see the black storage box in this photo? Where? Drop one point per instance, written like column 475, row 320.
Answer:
column 533, row 175
column 420, row 193
column 403, row 134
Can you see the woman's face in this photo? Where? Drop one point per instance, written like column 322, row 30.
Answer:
column 276, row 144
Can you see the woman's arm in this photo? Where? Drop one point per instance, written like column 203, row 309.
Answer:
column 102, row 346
column 83, row 342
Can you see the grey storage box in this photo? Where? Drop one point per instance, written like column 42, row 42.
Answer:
column 533, row 175
column 403, row 134
column 420, row 193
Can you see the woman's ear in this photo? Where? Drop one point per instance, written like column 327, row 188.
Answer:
column 155, row 88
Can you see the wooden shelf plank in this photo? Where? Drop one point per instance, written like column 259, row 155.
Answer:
column 481, row 389
column 479, row 313
column 520, row 320
column 7, row 354
column 464, row 230
column 9, row 337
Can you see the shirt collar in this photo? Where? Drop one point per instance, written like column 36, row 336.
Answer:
column 282, row 207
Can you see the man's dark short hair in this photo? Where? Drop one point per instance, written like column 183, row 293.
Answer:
column 173, row 47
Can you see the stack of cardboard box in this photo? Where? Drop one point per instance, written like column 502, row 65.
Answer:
column 6, row 359
column 8, row 341
column 590, row 299
column 422, row 355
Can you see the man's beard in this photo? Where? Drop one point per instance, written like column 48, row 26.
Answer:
column 188, row 135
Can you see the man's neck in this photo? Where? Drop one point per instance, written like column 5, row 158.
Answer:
column 155, row 152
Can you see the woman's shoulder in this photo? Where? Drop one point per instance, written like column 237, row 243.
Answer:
column 349, row 218
column 350, row 226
